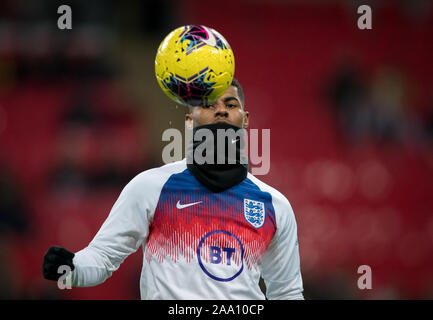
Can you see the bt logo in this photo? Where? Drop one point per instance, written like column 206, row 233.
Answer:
column 221, row 262
column 215, row 254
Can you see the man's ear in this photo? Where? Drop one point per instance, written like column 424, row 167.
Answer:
column 189, row 123
column 246, row 120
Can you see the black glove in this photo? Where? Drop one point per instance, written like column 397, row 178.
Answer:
column 53, row 259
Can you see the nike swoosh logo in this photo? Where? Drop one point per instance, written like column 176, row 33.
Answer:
column 234, row 140
column 182, row 206
column 211, row 41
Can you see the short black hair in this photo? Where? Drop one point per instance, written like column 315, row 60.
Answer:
column 235, row 83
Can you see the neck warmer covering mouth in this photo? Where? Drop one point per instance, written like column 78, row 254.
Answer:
column 215, row 156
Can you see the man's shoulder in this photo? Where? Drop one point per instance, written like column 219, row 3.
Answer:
column 156, row 177
column 265, row 187
column 166, row 169
column 283, row 209
column 277, row 196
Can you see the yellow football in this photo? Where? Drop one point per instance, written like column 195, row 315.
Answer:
column 194, row 65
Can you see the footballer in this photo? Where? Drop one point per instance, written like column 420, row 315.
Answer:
column 207, row 230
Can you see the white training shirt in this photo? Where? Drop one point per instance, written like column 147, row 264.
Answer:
column 197, row 244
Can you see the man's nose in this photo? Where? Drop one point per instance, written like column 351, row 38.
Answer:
column 220, row 110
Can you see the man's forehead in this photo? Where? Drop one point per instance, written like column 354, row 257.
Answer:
column 231, row 91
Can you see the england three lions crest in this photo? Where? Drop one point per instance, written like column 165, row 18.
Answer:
column 254, row 212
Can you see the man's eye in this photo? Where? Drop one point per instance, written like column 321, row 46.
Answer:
column 231, row 106
column 207, row 106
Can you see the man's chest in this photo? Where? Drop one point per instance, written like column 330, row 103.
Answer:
column 227, row 227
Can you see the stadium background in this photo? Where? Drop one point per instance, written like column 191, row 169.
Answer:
column 350, row 112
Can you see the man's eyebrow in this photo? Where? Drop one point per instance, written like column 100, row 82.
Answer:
column 231, row 98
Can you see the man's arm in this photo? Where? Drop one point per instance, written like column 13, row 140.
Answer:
column 281, row 269
column 126, row 228
column 121, row 234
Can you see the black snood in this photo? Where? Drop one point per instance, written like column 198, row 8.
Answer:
column 215, row 155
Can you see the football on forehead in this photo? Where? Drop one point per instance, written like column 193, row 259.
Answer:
column 194, row 65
